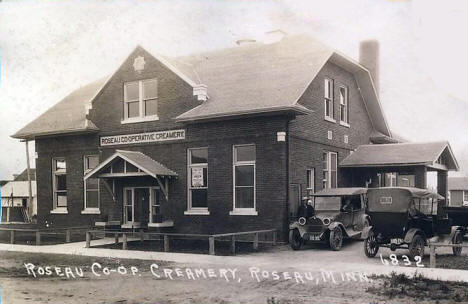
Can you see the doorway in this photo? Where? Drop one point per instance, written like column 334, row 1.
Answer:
column 141, row 205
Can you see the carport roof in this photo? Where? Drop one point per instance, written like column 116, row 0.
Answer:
column 403, row 154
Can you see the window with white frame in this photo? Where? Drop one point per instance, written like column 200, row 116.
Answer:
column 330, row 163
column 310, row 179
column 244, row 178
column 59, row 180
column 91, row 185
column 328, row 93
column 197, row 179
column 141, row 100
column 344, row 111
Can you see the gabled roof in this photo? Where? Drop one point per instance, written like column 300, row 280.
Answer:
column 251, row 79
column 458, row 183
column 18, row 189
column 67, row 116
column 401, row 154
column 139, row 160
column 23, row 176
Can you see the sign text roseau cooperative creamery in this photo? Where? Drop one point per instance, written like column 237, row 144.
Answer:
column 143, row 137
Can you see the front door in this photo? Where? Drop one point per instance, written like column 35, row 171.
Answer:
column 141, row 205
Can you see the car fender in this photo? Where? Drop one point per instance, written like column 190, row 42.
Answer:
column 365, row 232
column 456, row 229
column 411, row 233
column 340, row 225
column 299, row 227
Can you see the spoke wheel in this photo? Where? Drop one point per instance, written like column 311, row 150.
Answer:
column 457, row 239
column 295, row 239
column 416, row 247
column 336, row 238
column 370, row 245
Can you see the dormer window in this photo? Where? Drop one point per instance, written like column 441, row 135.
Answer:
column 140, row 101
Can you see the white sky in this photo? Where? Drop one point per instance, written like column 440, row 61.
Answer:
column 50, row 47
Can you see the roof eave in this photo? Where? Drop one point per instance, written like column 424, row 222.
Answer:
column 232, row 115
column 32, row 136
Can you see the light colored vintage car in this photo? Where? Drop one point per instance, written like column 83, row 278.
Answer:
column 336, row 214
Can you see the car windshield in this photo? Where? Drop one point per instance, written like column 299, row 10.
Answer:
column 327, row 203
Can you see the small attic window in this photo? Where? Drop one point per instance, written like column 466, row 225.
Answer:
column 140, row 101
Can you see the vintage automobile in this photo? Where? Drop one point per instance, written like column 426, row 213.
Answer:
column 334, row 214
column 407, row 218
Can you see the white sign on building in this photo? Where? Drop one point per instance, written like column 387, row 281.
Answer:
column 143, row 138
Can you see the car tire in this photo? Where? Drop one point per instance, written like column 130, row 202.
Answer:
column 295, row 239
column 416, row 247
column 370, row 245
column 457, row 239
column 336, row 239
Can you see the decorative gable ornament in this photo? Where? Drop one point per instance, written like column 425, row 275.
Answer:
column 139, row 64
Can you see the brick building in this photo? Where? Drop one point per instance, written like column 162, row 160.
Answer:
column 458, row 189
column 223, row 141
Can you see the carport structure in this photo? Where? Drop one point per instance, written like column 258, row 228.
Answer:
column 402, row 164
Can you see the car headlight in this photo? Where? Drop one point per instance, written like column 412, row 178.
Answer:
column 302, row 221
column 326, row 221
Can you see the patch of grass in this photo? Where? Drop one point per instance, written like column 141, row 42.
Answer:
column 419, row 287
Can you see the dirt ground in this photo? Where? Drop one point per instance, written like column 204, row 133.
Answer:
column 143, row 287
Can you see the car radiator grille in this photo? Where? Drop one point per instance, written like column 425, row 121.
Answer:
column 315, row 225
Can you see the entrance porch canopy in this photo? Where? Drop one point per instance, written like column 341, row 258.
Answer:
column 140, row 165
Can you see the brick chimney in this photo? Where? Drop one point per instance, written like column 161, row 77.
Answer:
column 369, row 58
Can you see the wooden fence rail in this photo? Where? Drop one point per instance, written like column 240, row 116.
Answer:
column 38, row 233
column 432, row 248
column 166, row 237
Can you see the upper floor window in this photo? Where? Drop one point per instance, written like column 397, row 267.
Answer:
column 91, row 185
column 198, row 180
column 330, row 164
column 244, row 179
column 344, row 110
column 141, row 100
column 59, row 181
column 328, row 94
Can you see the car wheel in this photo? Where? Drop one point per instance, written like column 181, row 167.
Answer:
column 370, row 245
column 457, row 239
column 336, row 238
column 295, row 239
column 416, row 247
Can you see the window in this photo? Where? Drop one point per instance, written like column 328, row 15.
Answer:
column 155, row 216
column 244, row 179
column 344, row 111
column 310, row 176
column 330, row 163
column 328, row 93
column 330, row 135
column 59, row 178
column 394, row 179
column 141, row 100
column 465, row 196
column 197, row 180
column 91, row 185
column 345, row 139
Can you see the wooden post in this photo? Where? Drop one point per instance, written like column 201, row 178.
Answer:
column 12, row 236
column 88, row 239
column 67, row 236
column 116, row 238
column 142, row 236
column 30, row 198
column 38, row 238
column 212, row 245
column 274, row 237
column 432, row 260
column 255, row 242
column 124, row 241
column 166, row 243
column 233, row 244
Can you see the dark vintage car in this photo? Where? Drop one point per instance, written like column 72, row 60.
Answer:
column 333, row 214
column 407, row 218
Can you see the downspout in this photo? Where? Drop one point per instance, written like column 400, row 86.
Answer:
column 28, row 168
column 288, row 168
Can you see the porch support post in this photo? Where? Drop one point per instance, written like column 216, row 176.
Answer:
column 212, row 245
column 67, row 236
column 88, row 239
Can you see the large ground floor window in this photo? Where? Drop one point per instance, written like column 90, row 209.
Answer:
column 244, row 157
column 330, row 164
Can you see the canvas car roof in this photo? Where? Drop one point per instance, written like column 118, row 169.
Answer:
column 415, row 192
column 341, row 191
